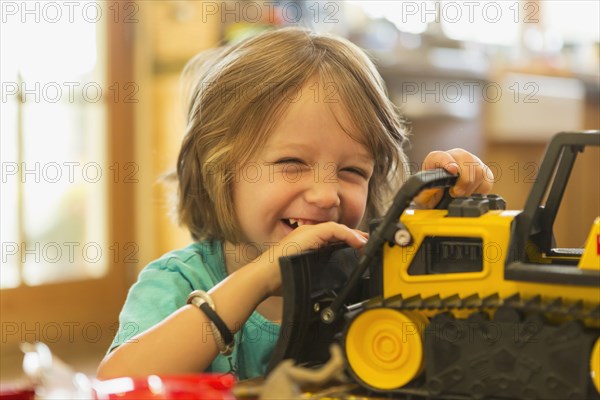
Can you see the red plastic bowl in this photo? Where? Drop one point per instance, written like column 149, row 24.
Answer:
column 193, row 387
column 16, row 393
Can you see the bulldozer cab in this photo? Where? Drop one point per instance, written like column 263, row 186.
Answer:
column 533, row 255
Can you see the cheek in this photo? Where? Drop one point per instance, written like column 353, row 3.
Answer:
column 246, row 200
column 257, row 201
column 356, row 206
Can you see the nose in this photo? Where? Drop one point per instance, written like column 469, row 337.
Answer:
column 323, row 194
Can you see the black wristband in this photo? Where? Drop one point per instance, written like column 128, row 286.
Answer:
column 218, row 323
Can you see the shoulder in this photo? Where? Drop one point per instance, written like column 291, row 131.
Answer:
column 200, row 263
column 164, row 284
column 207, row 252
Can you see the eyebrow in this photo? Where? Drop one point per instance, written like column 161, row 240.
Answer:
column 364, row 156
column 286, row 145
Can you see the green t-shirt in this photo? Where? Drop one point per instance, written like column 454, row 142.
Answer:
column 163, row 287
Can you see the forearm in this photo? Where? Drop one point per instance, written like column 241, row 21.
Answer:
column 184, row 341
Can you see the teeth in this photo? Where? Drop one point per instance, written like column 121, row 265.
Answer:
column 299, row 222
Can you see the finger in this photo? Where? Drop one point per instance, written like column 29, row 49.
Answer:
column 437, row 159
column 441, row 159
column 333, row 232
column 487, row 183
column 468, row 166
column 308, row 237
column 474, row 174
column 363, row 234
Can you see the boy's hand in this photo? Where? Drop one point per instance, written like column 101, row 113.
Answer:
column 309, row 237
column 474, row 175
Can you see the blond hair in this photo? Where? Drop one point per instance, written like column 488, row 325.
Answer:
column 237, row 95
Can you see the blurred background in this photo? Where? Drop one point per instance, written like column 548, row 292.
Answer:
column 92, row 117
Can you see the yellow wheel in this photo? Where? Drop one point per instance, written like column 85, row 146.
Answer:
column 384, row 347
column 595, row 365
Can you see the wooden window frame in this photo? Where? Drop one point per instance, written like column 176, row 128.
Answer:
column 81, row 315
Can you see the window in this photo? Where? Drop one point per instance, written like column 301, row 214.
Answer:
column 546, row 26
column 54, row 169
column 67, row 147
column 487, row 22
column 407, row 16
column 448, row 255
column 572, row 21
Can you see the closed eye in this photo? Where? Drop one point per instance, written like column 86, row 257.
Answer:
column 357, row 171
column 290, row 160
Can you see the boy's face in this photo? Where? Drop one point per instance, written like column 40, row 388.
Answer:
column 308, row 171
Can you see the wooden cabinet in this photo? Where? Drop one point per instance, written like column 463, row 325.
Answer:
column 515, row 157
column 168, row 34
column 179, row 29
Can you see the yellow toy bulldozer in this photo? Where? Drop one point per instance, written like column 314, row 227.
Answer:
column 467, row 301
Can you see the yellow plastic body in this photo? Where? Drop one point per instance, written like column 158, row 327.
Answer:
column 591, row 253
column 493, row 228
column 385, row 346
column 595, row 365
